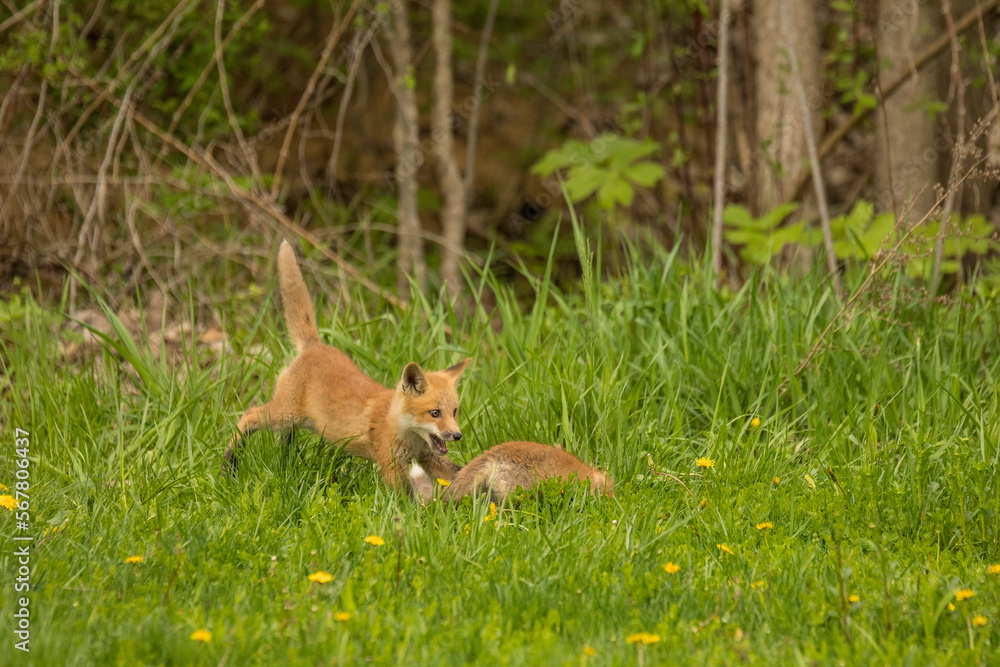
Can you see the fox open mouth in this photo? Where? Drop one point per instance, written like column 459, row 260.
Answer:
column 438, row 444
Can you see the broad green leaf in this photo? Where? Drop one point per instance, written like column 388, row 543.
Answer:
column 615, row 191
column 645, row 174
column 583, row 181
column 774, row 217
column 737, row 216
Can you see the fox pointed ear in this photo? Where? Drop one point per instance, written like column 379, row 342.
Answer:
column 414, row 380
column 456, row 371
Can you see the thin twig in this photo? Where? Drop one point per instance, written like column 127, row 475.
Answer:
column 234, row 123
column 987, row 59
column 357, row 51
column 16, row 18
column 919, row 62
column 267, row 207
column 652, row 469
column 26, row 153
column 473, row 131
column 177, row 12
column 207, row 69
column 331, row 43
column 872, row 272
column 96, row 208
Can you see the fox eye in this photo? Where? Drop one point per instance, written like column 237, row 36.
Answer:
column 435, row 413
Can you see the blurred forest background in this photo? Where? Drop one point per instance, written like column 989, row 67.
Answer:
column 167, row 143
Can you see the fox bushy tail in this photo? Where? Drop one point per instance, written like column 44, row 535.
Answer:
column 300, row 316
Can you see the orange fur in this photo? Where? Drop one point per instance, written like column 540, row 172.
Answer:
column 322, row 390
column 509, row 465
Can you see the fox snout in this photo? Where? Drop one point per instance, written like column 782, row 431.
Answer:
column 438, row 441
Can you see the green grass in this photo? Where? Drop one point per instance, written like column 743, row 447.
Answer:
column 899, row 506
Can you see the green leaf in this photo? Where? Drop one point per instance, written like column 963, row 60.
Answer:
column 619, row 152
column 743, row 236
column 774, row 217
column 860, row 216
column 737, row 216
column 615, row 191
column 583, row 181
column 571, row 153
column 645, row 174
column 877, row 233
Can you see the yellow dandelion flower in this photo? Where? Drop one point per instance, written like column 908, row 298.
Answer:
column 777, row 480
column 201, row 636
column 951, row 607
column 765, row 525
column 8, row 501
column 135, row 560
column 672, row 567
column 963, row 594
column 374, row 540
column 994, row 569
column 3, row 487
column 853, row 597
column 755, row 423
column 493, row 513
column 342, row 616
column 979, row 621
column 642, row 638
column 443, row 482
column 321, row 577
column 589, row 651
column 758, row 584
column 725, row 547
column 705, row 462
column 704, row 503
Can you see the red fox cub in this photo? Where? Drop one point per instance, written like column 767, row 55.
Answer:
column 509, row 465
column 324, row 391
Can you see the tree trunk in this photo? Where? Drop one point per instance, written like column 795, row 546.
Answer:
column 722, row 130
column 452, row 188
column 781, row 132
column 907, row 163
column 406, row 137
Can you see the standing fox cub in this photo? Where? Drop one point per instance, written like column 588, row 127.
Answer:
column 509, row 465
column 324, row 391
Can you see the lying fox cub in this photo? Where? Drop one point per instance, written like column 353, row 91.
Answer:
column 324, row 391
column 503, row 468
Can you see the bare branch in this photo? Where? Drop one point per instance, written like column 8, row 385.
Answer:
column 919, row 62
column 331, row 43
column 242, row 21
column 473, row 132
column 16, row 18
column 176, row 13
column 234, row 124
column 265, row 206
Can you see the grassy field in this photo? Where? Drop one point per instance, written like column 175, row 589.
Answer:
column 847, row 507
